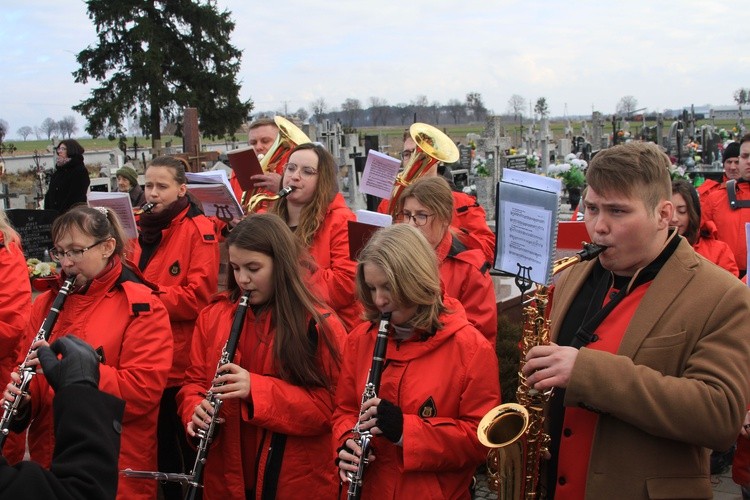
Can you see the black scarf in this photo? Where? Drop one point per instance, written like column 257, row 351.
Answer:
column 153, row 224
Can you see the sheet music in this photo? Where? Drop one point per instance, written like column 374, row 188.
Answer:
column 373, row 218
column 120, row 204
column 379, row 173
column 218, row 200
column 530, row 243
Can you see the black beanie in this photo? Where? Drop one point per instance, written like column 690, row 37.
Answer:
column 731, row 151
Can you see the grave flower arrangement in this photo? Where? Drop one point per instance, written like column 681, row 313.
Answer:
column 532, row 160
column 480, row 168
column 39, row 269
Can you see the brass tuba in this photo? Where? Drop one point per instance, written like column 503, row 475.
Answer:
column 288, row 138
column 515, row 432
column 432, row 146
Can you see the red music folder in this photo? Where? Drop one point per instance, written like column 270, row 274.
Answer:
column 244, row 162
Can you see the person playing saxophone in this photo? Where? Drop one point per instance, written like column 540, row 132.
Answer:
column 649, row 350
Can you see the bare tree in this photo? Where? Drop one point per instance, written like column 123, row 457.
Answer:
column 302, row 114
column 404, row 112
column 318, row 108
column 352, row 109
column 436, row 110
column 24, row 131
column 49, row 127
column 456, row 109
column 419, row 106
column 741, row 96
column 475, row 103
column 3, row 129
column 516, row 105
column 67, row 126
column 38, row 132
column 380, row 110
column 627, row 105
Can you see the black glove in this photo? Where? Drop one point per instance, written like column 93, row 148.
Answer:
column 79, row 363
column 390, row 420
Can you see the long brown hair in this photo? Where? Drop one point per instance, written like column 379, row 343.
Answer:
column 293, row 304
column 313, row 213
column 692, row 202
column 9, row 234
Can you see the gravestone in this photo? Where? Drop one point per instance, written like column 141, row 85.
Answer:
column 515, row 162
column 464, row 156
column 564, row 147
column 34, row 227
column 598, row 131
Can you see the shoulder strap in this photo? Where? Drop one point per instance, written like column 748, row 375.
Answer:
column 734, row 203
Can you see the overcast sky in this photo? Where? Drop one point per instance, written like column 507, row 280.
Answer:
column 578, row 54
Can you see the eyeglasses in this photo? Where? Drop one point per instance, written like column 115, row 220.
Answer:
column 74, row 255
column 406, row 154
column 62, row 148
column 419, row 219
column 291, row 168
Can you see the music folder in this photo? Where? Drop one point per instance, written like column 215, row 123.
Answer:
column 362, row 229
column 244, row 162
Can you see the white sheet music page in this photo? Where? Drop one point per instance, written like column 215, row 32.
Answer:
column 379, row 173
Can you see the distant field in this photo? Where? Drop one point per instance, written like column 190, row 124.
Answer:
column 389, row 135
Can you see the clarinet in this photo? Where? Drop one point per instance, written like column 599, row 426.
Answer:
column 206, row 436
column 10, row 409
column 363, row 438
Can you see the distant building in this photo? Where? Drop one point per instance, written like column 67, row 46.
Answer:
column 726, row 112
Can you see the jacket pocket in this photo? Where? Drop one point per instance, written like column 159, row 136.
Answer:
column 695, row 487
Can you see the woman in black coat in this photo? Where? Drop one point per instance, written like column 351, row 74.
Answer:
column 70, row 181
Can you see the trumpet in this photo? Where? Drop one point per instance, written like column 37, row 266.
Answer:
column 288, row 138
column 515, row 432
column 259, row 198
column 433, row 146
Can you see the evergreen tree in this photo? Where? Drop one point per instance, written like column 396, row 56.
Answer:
column 156, row 57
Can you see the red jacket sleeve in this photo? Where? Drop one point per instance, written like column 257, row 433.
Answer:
column 15, row 305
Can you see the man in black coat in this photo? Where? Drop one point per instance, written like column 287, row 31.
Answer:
column 88, row 423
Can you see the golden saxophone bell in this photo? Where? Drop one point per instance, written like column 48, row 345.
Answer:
column 289, row 137
column 259, row 198
column 433, row 146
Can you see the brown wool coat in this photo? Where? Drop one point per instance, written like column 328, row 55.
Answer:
column 677, row 387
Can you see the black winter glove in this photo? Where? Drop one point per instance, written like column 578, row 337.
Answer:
column 79, row 363
column 390, row 420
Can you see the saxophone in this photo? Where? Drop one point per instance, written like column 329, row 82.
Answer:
column 363, row 438
column 10, row 410
column 514, row 432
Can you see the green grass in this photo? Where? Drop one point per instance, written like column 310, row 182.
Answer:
column 101, row 143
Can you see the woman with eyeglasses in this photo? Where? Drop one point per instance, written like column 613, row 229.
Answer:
column 318, row 215
column 440, row 377
column 427, row 204
column 15, row 307
column 177, row 249
column 112, row 308
column 70, row 180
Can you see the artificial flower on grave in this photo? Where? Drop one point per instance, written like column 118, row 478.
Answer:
column 480, row 168
column 39, row 269
column 532, row 160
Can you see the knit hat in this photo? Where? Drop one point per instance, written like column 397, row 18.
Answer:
column 731, row 151
column 129, row 174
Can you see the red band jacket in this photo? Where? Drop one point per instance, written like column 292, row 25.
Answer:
column 128, row 325
column 330, row 251
column 275, row 411
column 730, row 224
column 185, row 266
column 444, row 385
column 465, row 276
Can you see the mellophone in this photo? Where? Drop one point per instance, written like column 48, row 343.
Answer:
column 10, row 410
column 194, row 480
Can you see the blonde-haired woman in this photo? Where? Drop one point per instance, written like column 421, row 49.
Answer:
column 427, row 204
column 15, row 308
column 318, row 215
column 440, row 377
